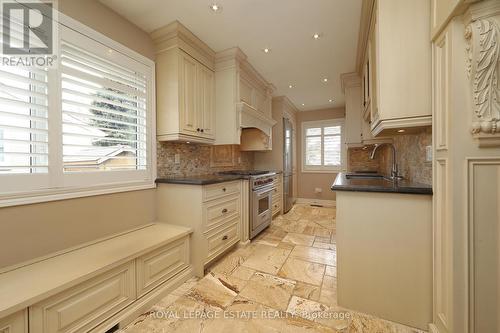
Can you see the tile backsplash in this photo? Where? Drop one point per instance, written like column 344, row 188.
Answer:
column 411, row 158
column 197, row 159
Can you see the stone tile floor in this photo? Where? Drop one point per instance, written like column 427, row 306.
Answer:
column 283, row 281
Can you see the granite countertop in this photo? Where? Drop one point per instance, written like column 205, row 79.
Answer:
column 199, row 179
column 207, row 179
column 381, row 184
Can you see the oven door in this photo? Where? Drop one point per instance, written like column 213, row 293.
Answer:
column 261, row 210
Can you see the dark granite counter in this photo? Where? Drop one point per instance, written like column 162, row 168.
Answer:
column 205, row 179
column 377, row 183
column 199, row 179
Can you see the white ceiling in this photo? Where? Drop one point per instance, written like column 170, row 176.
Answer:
column 284, row 26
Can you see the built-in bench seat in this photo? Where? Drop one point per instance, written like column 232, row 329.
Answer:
column 123, row 273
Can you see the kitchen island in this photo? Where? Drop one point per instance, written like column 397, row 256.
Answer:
column 384, row 248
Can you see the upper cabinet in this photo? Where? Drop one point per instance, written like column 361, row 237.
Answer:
column 185, row 86
column 243, row 101
column 396, row 65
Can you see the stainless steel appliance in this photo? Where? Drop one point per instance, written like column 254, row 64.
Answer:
column 288, row 198
column 261, row 189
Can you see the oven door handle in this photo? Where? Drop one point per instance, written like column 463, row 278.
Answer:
column 263, row 191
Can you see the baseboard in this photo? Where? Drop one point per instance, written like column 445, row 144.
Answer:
column 322, row 202
column 143, row 304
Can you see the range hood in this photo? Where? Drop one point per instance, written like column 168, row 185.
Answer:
column 256, row 128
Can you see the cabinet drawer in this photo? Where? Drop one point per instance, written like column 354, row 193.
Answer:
column 219, row 210
column 276, row 191
column 218, row 190
column 222, row 238
column 160, row 265
column 15, row 323
column 83, row 307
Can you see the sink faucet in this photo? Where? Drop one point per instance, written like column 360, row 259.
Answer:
column 394, row 169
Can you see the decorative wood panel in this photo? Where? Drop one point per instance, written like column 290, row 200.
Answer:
column 161, row 265
column 443, row 248
column 441, row 54
column 82, row 308
column 484, row 250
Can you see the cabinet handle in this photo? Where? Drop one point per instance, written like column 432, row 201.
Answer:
column 225, row 237
column 224, row 211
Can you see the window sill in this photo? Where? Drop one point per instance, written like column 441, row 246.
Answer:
column 73, row 193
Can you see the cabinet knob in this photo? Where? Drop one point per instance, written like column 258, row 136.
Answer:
column 225, row 237
column 202, row 130
column 224, row 189
column 224, row 211
column 197, row 130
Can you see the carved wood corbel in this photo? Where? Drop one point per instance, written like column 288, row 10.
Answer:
column 483, row 68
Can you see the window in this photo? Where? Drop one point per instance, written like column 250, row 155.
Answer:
column 322, row 146
column 82, row 128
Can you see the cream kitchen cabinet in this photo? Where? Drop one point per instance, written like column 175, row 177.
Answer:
column 215, row 212
column 185, row 86
column 358, row 128
column 15, row 323
column 243, row 99
column 396, row 70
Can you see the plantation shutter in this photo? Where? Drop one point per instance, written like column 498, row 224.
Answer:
column 323, row 147
column 23, row 120
column 104, row 119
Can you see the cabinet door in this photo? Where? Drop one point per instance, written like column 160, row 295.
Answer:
column 206, row 101
column 373, row 84
column 187, row 94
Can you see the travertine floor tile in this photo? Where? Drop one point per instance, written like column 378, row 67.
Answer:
column 298, row 239
column 321, row 256
column 308, row 291
column 331, row 271
column 327, row 246
column 267, row 259
column 269, row 290
column 303, row 271
column 214, row 291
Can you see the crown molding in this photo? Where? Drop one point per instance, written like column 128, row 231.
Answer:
column 349, row 80
column 176, row 35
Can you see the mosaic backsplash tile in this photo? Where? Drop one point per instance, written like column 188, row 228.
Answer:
column 411, row 159
column 197, row 159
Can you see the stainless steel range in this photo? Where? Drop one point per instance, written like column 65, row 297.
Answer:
column 261, row 189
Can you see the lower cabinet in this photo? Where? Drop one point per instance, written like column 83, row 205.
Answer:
column 214, row 212
column 160, row 265
column 220, row 238
column 277, row 198
column 83, row 307
column 117, row 295
column 16, row 323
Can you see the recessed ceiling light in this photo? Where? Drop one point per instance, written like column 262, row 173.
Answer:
column 216, row 8
column 188, row 142
column 303, row 104
column 330, row 100
column 290, row 86
column 325, row 79
column 266, row 50
column 401, row 131
column 317, row 35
